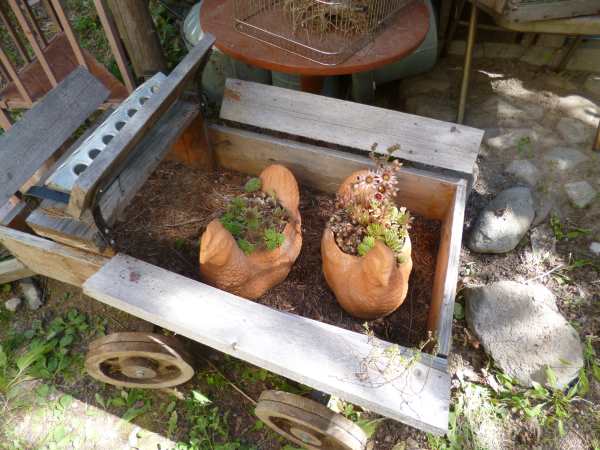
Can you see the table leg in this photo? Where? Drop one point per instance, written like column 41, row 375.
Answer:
column 312, row 84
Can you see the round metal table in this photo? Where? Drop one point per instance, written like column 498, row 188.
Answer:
column 402, row 36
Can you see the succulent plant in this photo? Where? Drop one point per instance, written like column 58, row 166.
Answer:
column 255, row 219
column 368, row 212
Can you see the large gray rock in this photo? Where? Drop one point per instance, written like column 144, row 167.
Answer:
column 520, row 327
column 572, row 130
column 31, row 294
column 503, row 223
column 524, row 170
column 564, row 158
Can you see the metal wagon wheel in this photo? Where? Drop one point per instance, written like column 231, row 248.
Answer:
column 139, row 360
column 308, row 423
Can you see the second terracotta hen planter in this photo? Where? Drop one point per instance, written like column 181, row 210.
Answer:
column 224, row 265
column 371, row 286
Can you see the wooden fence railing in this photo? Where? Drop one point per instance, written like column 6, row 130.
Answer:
column 40, row 60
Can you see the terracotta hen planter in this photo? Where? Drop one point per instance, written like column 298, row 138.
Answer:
column 370, row 286
column 224, row 265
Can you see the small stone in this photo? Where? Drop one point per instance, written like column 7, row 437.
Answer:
column 411, row 444
column 572, row 130
column 564, row 158
column 521, row 328
column 592, row 84
column 524, row 170
column 31, row 294
column 581, row 193
column 595, row 248
column 503, row 223
column 543, row 242
column 13, row 304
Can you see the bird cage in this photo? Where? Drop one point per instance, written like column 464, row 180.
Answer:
column 325, row 31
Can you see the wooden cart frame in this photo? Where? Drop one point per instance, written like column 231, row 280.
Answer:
column 398, row 383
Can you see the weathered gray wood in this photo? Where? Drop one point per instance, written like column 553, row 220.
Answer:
column 145, row 158
column 446, row 273
column 50, row 259
column 323, row 356
column 45, row 128
column 422, row 140
column 11, row 210
column 13, row 270
column 248, row 152
column 103, row 167
column 50, row 220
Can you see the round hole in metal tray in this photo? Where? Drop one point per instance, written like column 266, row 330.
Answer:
column 79, row 168
column 93, row 153
column 132, row 112
column 107, row 138
column 119, row 125
column 143, row 100
column 154, row 89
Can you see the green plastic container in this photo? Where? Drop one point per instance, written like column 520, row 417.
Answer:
column 219, row 66
column 422, row 60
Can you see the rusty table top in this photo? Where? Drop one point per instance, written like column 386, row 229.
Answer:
column 401, row 37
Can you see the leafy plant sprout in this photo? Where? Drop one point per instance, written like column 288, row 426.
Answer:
column 367, row 213
column 256, row 219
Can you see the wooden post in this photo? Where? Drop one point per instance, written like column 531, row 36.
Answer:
column 115, row 43
column 139, row 35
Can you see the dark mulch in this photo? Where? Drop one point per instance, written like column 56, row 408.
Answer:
column 163, row 225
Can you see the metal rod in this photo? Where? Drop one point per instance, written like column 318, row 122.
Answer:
column 460, row 6
column 597, row 141
column 464, row 90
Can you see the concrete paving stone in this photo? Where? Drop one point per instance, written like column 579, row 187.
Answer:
column 581, row 193
column 564, row 158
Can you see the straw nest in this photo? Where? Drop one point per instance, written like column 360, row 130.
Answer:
column 344, row 16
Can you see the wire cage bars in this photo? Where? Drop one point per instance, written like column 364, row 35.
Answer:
column 324, row 31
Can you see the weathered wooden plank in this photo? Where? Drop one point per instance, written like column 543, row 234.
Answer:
column 446, row 273
column 16, row 39
column 11, row 210
column 422, row 140
column 248, row 152
column 45, row 128
column 328, row 358
column 115, row 43
column 31, row 30
column 50, row 259
column 13, row 270
column 50, row 220
column 102, row 169
column 14, row 76
column 56, row 9
column 145, row 158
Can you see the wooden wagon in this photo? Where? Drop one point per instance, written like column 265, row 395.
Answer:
column 321, row 140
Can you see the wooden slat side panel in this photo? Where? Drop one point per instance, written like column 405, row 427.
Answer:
column 448, row 264
column 13, row 270
column 50, row 259
column 115, row 153
column 426, row 141
column 145, row 158
column 325, row 357
column 325, row 169
column 45, row 128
